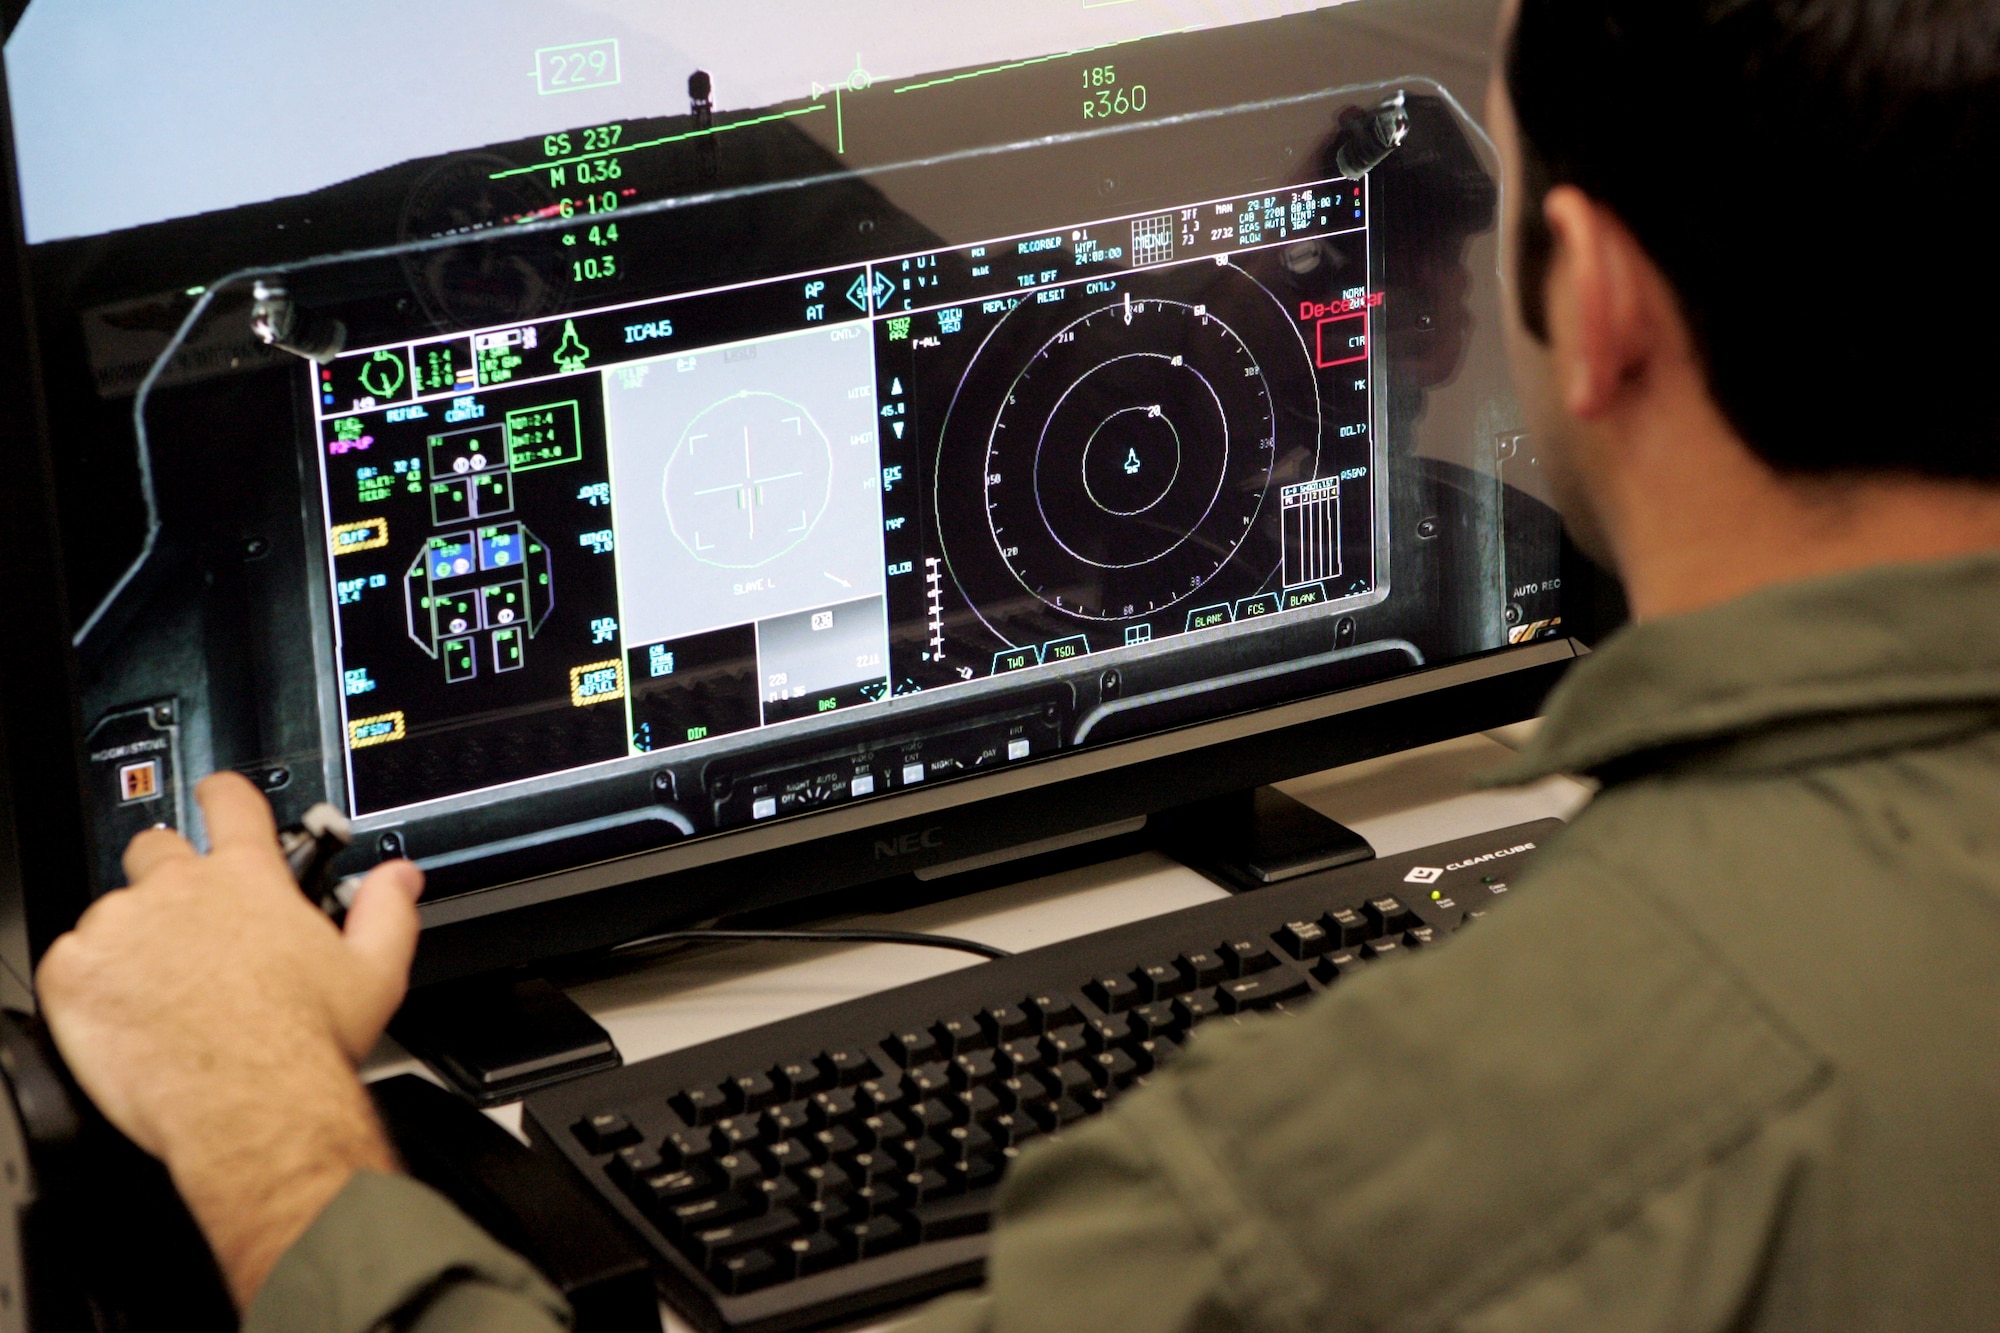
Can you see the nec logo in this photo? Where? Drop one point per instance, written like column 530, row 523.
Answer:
column 909, row 844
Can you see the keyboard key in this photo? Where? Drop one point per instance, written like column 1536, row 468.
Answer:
column 932, row 1113
column 1305, row 939
column 746, row 1272
column 1069, row 1110
column 835, row 1142
column 885, row 1128
column 751, row 1092
column 1420, row 937
column 636, row 1162
column 812, row 1254
column 1113, row 994
column 826, row 1214
column 827, row 1109
column 1159, row 981
column 1193, row 1009
column 1073, row 1078
column 1381, row 948
column 870, row 1167
column 1115, row 1068
column 700, row 1106
column 1019, row 1055
column 801, row 1078
column 1052, row 1010
column 1201, row 967
column 607, row 1131
column 848, row 1067
column 1103, row 1033
column 877, row 1235
column 1248, row 957
column 981, row 1172
column 963, row 1141
column 946, row 1219
column 1388, row 915
column 879, row 1196
column 927, row 1081
column 685, row 1147
column 1151, row 1019
column 955, row 1036
column 1252, row 993
column 714, row 1211
column 1008, row 1128
column 879, row 1095
column 1004, row 1022
column 711, row 1246
column 738, row 1171
column 912, row 1046
column 777, row 1192
column 928, row 1184
column 974, row 1069
column 1063, row 1044
column 1347, row 927
column 787, row 1155
column 1334, row 966
column 1026, row 1090
column 739, row 1131
column 823, row 1182
column 668, row 1189
column 917, row 1153
column 787, row 1121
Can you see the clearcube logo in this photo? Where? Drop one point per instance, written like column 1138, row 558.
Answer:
column 1424, row 875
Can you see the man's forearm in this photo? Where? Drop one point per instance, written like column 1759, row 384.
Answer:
column 258, row 1172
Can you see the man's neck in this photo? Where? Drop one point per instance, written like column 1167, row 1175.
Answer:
column 1739, row 526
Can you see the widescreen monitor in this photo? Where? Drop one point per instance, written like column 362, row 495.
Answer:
column 648, row 465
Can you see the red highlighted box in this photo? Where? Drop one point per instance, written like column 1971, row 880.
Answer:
column 1343, row 340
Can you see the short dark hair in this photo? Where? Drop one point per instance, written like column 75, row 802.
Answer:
column 1813, row 178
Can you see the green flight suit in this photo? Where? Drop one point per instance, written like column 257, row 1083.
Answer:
column 1730, row 1059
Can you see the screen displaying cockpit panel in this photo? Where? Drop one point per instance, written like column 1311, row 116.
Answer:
column 635, row 532
column 617, row 473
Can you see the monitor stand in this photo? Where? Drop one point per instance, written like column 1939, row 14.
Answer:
column 1253, row 839
column 495, row 1038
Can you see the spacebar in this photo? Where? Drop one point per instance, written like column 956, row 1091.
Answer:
column 966, row 1215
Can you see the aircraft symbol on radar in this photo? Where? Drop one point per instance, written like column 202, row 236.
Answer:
column 1132, row 463
column 571, row 354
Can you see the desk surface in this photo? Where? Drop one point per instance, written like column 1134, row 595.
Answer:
column 1398, row 803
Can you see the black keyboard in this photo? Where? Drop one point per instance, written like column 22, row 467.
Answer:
column 845, row 1160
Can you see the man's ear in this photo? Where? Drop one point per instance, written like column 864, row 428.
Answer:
column 1603, row 293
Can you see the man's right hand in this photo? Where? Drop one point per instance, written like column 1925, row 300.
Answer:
column 216, row 1017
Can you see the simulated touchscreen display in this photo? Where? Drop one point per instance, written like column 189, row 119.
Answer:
column 602, row 537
